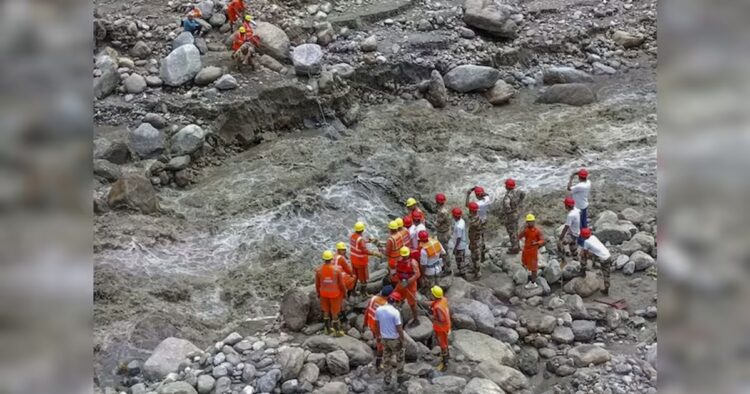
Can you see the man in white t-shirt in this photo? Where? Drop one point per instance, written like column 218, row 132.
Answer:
column 459, row 240
column 592, row 246
column 580, row 193
column 570, row 234
column 390, row 334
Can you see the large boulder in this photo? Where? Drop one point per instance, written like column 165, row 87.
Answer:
column 575, row 94
column 509, row 379
column 556, row 75
column 177, row 388
column 273, row 40
column 552, row 273
column 436, row 92
column 528, row 360
column 108, row 80
column 184, row 38
column 294, row 308
column 583, row 355
column 642, row 241
column 358, row 352
column 632, row 215
column 291, row 360
column 207, row 9
column 188, row 140
column 422, row 331
column 469, row 77
column 167, row 357
column 480, row 347
column 606, row 217
column 116, row 152
column 146, row 141
column 613, row 233
column 205, row 384
column 478, row 311
column 500, row 94
column 208, row 75
column 482, row 386
column 181, row 65
column 309, row 373
column 134, row 192
column 584, row 286
column 107, row 170
column 307, row 59
column 337, row 363
column 642, row 261
column 491, row 16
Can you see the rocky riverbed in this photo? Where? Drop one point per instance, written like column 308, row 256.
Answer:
column 215, row 190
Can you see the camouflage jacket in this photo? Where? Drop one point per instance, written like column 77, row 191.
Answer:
column 475, row 229
column 444, row 220
column 512, row 202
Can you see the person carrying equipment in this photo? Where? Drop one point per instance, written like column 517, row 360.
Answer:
column 533, row 239
column 360, row 256
column 406, row 277
column 376, row 302
column 441, row 324
column 329, row 285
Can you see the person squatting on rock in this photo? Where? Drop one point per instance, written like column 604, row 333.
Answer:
column 458, row 240
column 510, row 207
column 191, row 25
column 329, row 285
column 580, row 194
column 533, row 239
column 483, row 203
column 592, row 246
column 570, row 236
column 443, row 226
column 441, row 324
column 376, row 302
column 431, row 258
column 360, row 256
column 390, row 333
column 476, row 242
column 407, row 275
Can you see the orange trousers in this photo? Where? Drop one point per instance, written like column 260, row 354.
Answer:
column 442, row 338
column 362, row 273
column 409, row 293
column 331, row 306
column 530, row 259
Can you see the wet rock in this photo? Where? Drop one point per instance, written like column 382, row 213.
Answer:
column 642, row 261
column 168, row 355
column 273, row 40
column 358, row 352
column 140, row 50
column 309, row 373
column 500, row 94
column 509, row 379
column 481, row 313
column 563, row 335
column 294, row 308
column 422, row 331
column 291, row 360
column 556, row 75
column 208, row 75
column 135, row 84
column 177, row 388
column 333, row 388
column 505, row 334
column 267, row 382
column 184, row 38
column 188, row 140
column 226, row 82
column 136, row 192
column 627, row 40
column 490, row 16
column 575, row 94
column 307, row 59
column 181, row 65
column 436, row 92
column 584, row 330
column 528, row 360
column 482, row 386
column 369, row 44
column 480, row 347
column 109, row 171
column 468, row 78
column 583, row 355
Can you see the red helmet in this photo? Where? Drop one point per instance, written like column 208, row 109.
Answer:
column 473, row 206
column 395, row 297
column 457, row 212
column 583, row 174
column 479, row 191
column 407, row 221
column 423, row 235
column 440, row 198
column 510, row 184
column 569, row 201
column 585, row 232
column 417, row 215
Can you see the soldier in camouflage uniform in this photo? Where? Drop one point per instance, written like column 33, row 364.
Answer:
column 476, row 240
column 511, row 206
column 443, row 226
column 594, row 249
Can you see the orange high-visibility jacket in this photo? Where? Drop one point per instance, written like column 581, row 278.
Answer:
column 329, row 282
column 358, row 249
column 235, row 10
column 441, row 317
column 375, row 302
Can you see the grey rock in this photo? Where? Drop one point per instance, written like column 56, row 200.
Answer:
column 480, row 347
column 358, row 352
column 620, row 261
column 155, row 120
column 307, row 59
column 177, row 388
column 615, row 234
column 468, row 78
column 271, row 63
column 584, row 330
column 218, row 19
column 606, row 217
column 116, row 152
column 219, row 371
column 584, row 286
column 459, row 321
column 467, row 33
column 201, row 44
column 583, row 355
column 189, row 139
column 205, row 384
column 478, row 311
column 109, row 171
column 208, row 75
column 417, row 369
column 267, row 382
column 343, row 70
column 505, row 334
column 629, row 268
column 290, row 387
column 627, row 40
column 482, row 386
column 291, row 360
column 226, row 82
column 528, row 360
column 563, row 335
column 309, row 373
column 642, row 261
column 575, row 94
column 524, row 293
column 422, row 331
column 652, row 355
column 207, row 8
column 139, row 388
column 509, row 379
column 154, row 81
column 490, row 16
column 109, row 79
column 500, row 94
column 544, row 324
column 140, row 50
column 556, row 75
column 600, row 68
column 248, row 373
column 273, row 40
column 294, row 308
column 449, row 383
column 632, row 215
column 135, row 84
column 369, row 44
column 333, row 388
column 181, row 65
column 436, row 92
column 136, row 192
column 184, row 38
column 553, row 273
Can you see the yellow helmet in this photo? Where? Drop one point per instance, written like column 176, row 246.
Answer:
column 393, row 225
column 248, row 18
column 359, row 226
column 411, row 202
column 437, row 291
column 327, row 255
column 242, row 29
column 400, row 222
column 530, row 218
column 340, row 246
column 404, row 251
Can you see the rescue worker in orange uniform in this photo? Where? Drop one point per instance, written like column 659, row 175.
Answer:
column 411, row 205
column 376, row 302
column 406, row 277
column 360, row 256
column 329, row 284
column 249, row 25
column 340, row 261
column 393, row 245
column 240, row 38
column 441, row 324
column 404, row 231
column 235, row 9
column 533, row 240
column 418, row 219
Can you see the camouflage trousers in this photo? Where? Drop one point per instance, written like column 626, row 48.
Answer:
column 476, row 248
column 461, row 264
column 444, row 238
column 511, row 227
column 606, row 268
column 394, row 355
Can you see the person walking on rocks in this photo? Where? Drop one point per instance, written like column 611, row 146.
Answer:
column 443, row 226
column 393, row 246
column 483, row 208
column 570, row 236
column 235, row 9
column 592, row 246
column 340, row 261
column 412, row 206
column 533, row 239
column 418, row 219
column 376, row 302
column 476, row 242
column 390, row 333
column 329, row 285
column 458, row 239
column 431, row 259
column 510, row 207
column 441, row 324
column 360, row 256
column 580, row 193
column 407, row 275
